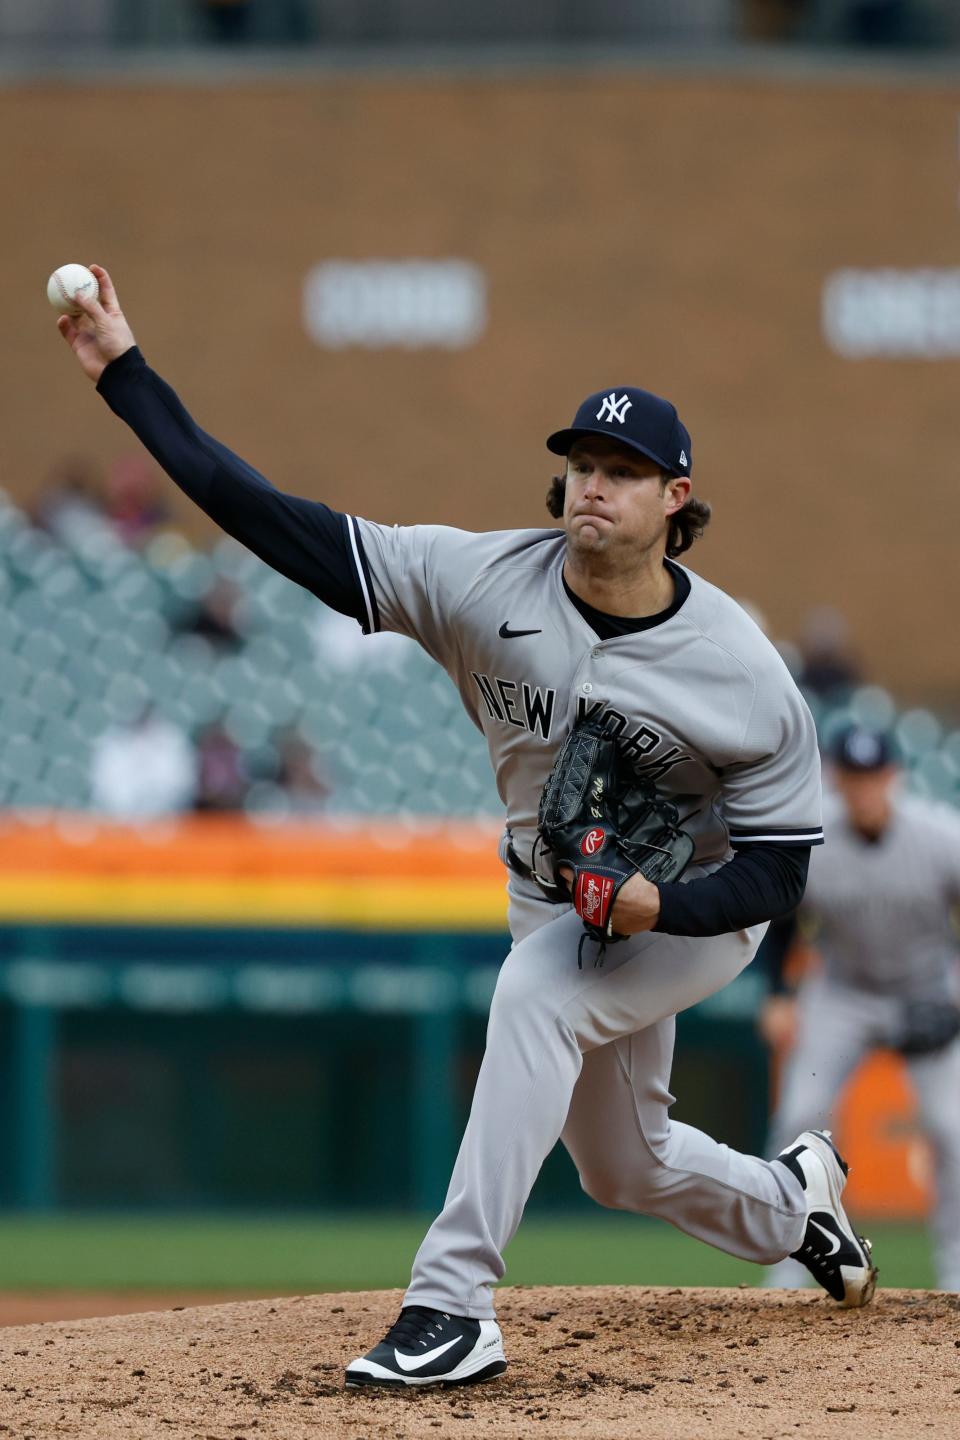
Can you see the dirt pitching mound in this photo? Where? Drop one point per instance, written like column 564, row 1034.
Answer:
column 610, row 1362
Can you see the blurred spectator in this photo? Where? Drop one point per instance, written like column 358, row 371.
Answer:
column 218, row 617
column 828, row 665
column 300, row 775
column 135, row 504
column 773, row 20
column 227, row 21
column 143, row 769
column 70, row 493
column 875, row 23
column 886, row 22
column 222, row 776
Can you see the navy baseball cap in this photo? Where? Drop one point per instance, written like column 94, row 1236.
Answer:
column 634, row 418
column 856, row 748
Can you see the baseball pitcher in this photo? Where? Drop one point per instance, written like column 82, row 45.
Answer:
column 641, row 729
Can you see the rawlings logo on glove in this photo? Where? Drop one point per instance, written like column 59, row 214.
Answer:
column 592, row 898
column 603, row 822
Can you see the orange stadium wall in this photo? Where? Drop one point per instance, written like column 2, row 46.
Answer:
column 225, row 870
column 891, row 1163
column 662, row 229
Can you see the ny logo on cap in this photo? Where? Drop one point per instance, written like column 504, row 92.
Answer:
column 614, row 409
column 863, row 749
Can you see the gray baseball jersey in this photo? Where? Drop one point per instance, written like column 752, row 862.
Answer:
column 701, row 701
column 882, row 909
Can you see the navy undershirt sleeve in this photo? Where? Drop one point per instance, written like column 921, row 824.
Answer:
column 758, row 884
column 304, row 540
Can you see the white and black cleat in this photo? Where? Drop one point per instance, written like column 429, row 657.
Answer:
column 837, row 1257
column 430, row 1347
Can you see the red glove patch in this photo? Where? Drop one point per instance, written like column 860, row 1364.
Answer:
column 592, row 898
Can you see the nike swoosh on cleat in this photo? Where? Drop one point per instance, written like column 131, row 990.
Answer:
column 417, row 1362
column 834, row 1239
column 507, row 634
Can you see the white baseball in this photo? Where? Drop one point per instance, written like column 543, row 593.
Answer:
column 69, row 281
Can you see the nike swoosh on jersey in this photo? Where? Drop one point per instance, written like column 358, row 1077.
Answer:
column 507, row 634
column 417, row 1362
column 834, row 1239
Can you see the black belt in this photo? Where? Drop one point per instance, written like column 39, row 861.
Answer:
column 520, row 867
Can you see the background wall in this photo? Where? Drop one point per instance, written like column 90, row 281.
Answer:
column 665, row 231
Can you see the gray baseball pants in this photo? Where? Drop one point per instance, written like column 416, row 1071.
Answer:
column 838, row 1027
column 585, row 1056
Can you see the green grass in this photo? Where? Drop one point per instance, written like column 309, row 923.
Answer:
column 309, row 1254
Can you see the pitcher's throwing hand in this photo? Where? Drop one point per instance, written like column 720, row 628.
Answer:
column 100, row 333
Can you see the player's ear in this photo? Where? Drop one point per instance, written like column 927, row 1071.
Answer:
column 677, row 491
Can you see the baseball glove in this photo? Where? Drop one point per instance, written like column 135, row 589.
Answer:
column 606, row 823
column 927, row 1026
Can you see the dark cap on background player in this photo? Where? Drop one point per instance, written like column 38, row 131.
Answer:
column 860, row 750
column 634, row 418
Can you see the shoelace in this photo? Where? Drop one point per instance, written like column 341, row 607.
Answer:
column 817, row 1257
column 415, row 1325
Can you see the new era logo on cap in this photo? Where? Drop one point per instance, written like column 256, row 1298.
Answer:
column 635, row 418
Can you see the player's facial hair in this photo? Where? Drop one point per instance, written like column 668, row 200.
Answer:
column 611, row 558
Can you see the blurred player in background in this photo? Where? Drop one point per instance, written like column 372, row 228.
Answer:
column 880, row 894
